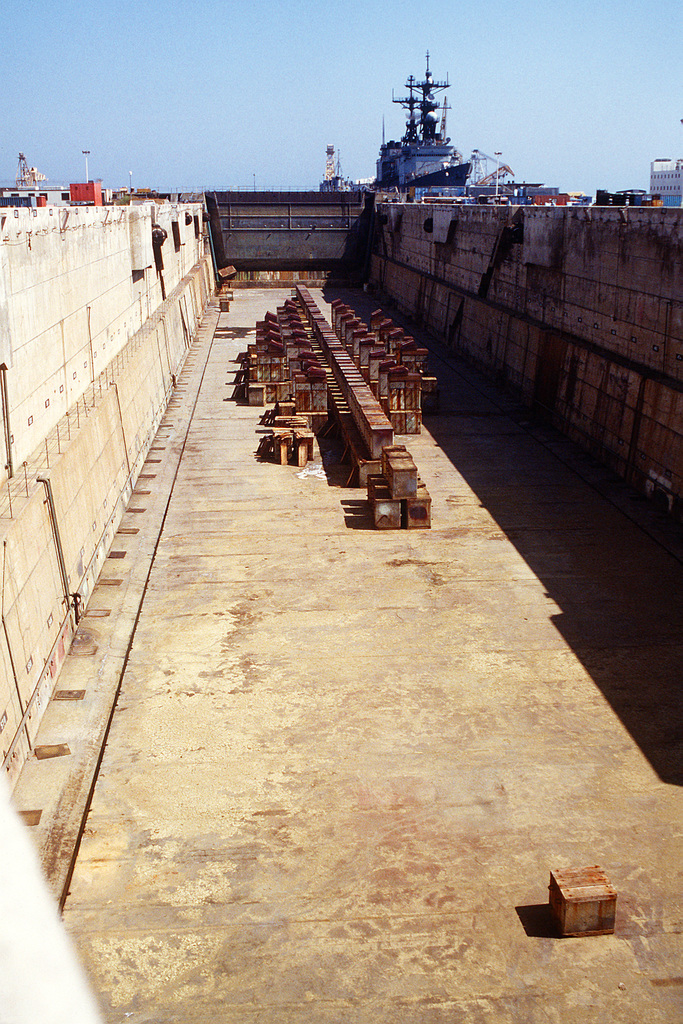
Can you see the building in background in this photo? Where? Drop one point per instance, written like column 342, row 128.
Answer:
column 35, row 195
column 666, row 180
column 87, row 193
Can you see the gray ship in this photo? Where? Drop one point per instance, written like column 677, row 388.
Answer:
column 424, row 156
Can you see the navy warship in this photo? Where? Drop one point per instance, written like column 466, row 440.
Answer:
column 424, row 156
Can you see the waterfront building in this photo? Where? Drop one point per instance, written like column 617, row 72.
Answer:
column 35, row 195
column 88, row 193
column 666, row 180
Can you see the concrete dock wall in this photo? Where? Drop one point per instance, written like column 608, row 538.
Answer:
column 76, row 283
column 579, row 311
column 74, row 477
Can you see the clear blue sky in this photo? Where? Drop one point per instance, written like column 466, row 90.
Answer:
column 207, row 95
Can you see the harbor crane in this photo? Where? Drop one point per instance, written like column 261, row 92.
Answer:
column 27, row 176
column 330, row 169
column 480, row 171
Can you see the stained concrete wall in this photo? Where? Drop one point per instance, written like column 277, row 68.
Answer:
column 579, row 311
column 76, row 283
column 75, row 472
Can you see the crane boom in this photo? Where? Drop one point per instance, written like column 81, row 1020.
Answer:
column 499, row 172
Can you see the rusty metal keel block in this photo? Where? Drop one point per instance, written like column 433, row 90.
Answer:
column 283, row 445
column 406, row 422
column 401, row 472
column 417, row 511
column 375, row 481
column 582, row 901
column 366, row 469
column 386, row 510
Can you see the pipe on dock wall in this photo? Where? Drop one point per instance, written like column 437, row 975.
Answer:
column 54, row 523
column 4, row 397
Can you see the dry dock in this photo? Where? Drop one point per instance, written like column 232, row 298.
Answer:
column 343, row 761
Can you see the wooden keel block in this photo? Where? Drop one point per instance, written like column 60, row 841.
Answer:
column 582, row 901
column 301, row 455
column 283, row 444
column 303, row 444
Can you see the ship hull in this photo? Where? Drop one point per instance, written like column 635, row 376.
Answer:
column 453, row 177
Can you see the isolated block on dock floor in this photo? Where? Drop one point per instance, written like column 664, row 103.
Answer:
column 582, row 901
column 430, row 395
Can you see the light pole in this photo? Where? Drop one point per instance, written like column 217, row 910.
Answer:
column 130, row 190
column 497, row 156
column 86, row 154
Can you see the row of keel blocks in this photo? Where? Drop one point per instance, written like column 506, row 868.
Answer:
column 368, row 415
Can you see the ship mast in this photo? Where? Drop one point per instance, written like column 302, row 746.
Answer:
column 409, row 103
column 421, row 99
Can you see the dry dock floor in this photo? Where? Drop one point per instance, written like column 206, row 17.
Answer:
column 343, row 761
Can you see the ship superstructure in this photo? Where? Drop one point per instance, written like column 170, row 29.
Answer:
column 424, row 155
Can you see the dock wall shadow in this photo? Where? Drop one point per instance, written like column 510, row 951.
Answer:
column 619, row 592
